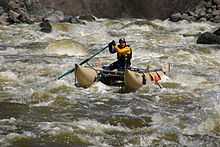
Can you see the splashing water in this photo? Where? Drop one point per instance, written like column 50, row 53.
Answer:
column 38, row 111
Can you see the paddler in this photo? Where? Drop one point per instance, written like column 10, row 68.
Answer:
column 124, row 55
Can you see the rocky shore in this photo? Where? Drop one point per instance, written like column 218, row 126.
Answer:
column 206, row 10
column 19, row 11
column 28, row 11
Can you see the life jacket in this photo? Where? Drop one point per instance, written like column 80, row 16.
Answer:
column 124, row 53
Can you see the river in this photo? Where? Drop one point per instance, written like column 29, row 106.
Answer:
column 38, row 111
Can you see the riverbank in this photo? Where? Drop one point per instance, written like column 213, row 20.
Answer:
column 206, row 10
column 29, row 11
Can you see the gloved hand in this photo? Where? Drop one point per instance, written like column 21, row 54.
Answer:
column 111, row 48
column 112, row 42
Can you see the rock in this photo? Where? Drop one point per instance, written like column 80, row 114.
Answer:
column 190, row 13
column 148, row 9
column 202, row 19
column 17, row 12
column 21, row 17
column 217, row 32
column 214, row 7
column 4, row 19
column 72, row 19
column 202, row 13
column 14, row 5
column 87, row 17
column 26, row 9
column 187, row 17
column 208, row 38
column 33, row 6
column 13, row 16
column 198, row 11
column 217, row 2
column 206, row 10
column 209, row 16
column 218, row 7
column 24, row 17
column 209, row 10
column 216, row 13
column 210, row 19
column 202, row 4
column 175, row 17
column 45, row 26
column 69, row 19
column 216, row 19
column 208, row 4
column 1, row 10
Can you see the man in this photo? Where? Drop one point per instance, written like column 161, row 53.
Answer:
column 124, row 55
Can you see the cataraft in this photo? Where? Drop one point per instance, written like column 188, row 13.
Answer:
column 131, row 79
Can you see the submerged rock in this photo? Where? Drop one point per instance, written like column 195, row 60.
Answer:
column 208, row 38
column 45, row 26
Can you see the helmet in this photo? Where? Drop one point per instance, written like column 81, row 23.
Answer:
column 122, row 40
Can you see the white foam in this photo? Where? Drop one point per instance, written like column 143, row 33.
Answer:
column 59, row 83
column 11, row 120
column 98, row 127
column 99, row 87
column 44, row 104
column 9, row 75
column 54, row 127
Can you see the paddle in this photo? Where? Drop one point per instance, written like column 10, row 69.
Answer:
column 81, row 63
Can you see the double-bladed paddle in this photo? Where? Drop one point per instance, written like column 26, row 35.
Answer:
column 81, row 63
